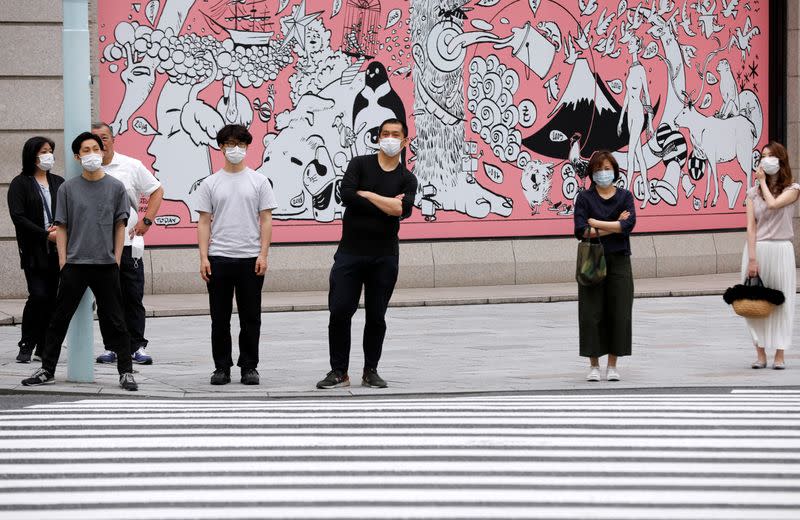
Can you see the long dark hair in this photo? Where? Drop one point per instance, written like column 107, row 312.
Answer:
column 30, row 153
column 783, row 179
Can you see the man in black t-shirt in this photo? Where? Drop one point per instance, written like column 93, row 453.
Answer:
column 377, row 191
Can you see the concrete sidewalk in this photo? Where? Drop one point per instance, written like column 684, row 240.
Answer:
column 689, row 342
column 165, row 305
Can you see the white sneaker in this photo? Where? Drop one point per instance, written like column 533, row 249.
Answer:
column 612, row 374
column 594, row 374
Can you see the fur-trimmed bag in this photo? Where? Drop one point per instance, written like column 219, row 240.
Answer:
column 751, row 299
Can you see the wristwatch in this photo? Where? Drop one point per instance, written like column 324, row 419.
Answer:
column 147, row 221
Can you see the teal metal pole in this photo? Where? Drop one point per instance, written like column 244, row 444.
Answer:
column 77, row 118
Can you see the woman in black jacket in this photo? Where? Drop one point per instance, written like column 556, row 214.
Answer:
column 32, row 204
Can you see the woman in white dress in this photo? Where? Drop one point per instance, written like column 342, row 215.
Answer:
column 769, row 252
column 638, row 107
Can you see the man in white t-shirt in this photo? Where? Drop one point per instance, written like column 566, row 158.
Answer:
column 139, row 182
column 234, row 233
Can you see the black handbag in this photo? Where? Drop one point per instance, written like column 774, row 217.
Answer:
column 591, row 264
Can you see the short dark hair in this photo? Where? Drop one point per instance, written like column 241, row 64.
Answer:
column 597, row 160
column 234, row 133
column 394, row 121
column 85, row 136
column 30, row 152
column 97, row 125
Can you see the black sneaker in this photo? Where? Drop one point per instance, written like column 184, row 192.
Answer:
column 25, row 352
column 127, row 382
column 221, row 376
column 334, row 379
column 250, row 376
column 372, row 379
column 40, row 377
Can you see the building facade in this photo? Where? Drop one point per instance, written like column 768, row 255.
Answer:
column 506, row 102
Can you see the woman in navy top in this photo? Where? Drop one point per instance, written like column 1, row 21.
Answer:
column 606, row 214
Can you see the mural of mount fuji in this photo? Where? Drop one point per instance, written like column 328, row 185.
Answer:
column 586, row 108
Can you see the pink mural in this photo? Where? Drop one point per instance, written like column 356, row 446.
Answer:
column 506, row 102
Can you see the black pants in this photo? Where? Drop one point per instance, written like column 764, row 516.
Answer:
column 378, row 275
column 131, row 279
column 103, row 280
column 604, row 311
column 229, row 277
column 42, row 290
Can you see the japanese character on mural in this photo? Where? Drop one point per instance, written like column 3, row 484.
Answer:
column 506, row 103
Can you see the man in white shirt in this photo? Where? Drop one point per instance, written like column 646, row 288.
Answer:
column 139, row 182
column 233, row 234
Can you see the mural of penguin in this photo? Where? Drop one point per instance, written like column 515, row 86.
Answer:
column 376, row 103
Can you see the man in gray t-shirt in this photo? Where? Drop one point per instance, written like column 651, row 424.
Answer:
column 233, row 234
column 89, row 210
column 91, row 214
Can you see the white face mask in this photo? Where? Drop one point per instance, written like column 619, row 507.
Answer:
column 770, row 165
column 391, row 146
column 235, row 154
column 92, row 162
column 603, row 178
column 46, row 161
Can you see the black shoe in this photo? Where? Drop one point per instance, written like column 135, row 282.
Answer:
column 40, row 377
column 250, row 376
column 372, row 379
column 25, row 352
column 221, row 376
column 334, row 379
column 127, row 382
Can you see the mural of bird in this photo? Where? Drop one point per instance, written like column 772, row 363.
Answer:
column 584, row 39
column 551, row 87
column 741, row 38
column 686, row 21
column 198, row 119
column 604, row 22
column 587, row 7
column 581, row 165
column 729, row 8
column 570, row 52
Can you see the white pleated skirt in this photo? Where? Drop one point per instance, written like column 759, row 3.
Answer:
column 776, row 267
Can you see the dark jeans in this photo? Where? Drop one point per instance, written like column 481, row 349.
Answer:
column 42, row 290
column 605, row 309
column 103, row 280
column 131, row 279
column 229, row 277
column 378, row 275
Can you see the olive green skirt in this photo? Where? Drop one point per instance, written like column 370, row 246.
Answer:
column 604, row 311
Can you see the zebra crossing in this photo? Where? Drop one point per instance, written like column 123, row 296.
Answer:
column 606, row 456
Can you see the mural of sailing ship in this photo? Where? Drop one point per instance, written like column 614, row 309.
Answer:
column 242, row 13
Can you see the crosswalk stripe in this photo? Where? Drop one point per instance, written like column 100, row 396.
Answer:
column 313, row 452
column 658, row 456
column 98, row 440
column 417, row 495
column 355, row 430
column 469, row 512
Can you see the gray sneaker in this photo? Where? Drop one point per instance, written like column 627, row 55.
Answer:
column 372, row 379
column 334, row 379
column 40, row 377
column 127, row 382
